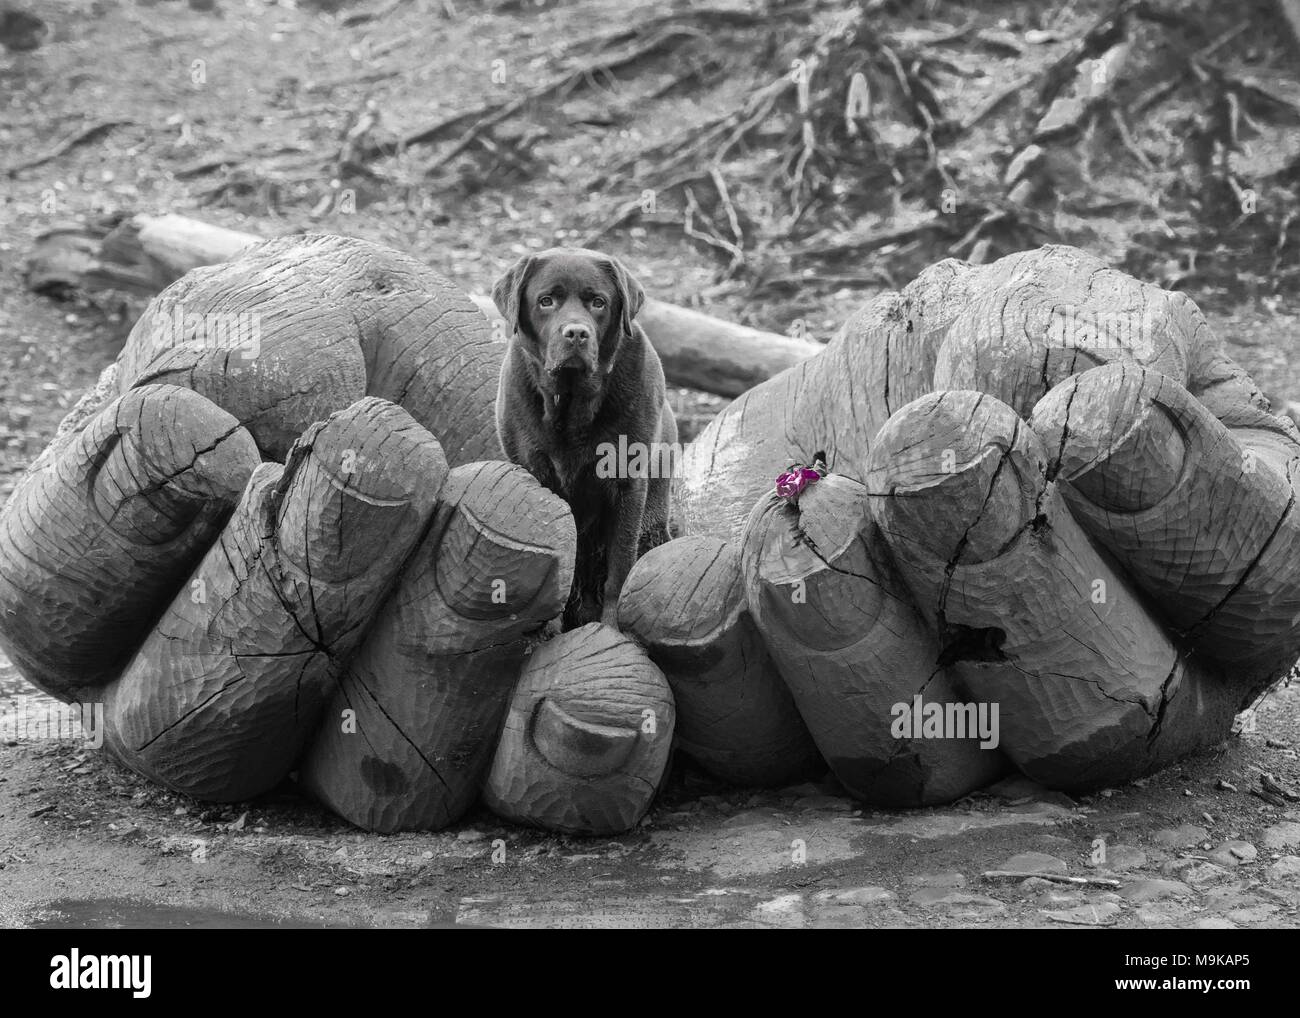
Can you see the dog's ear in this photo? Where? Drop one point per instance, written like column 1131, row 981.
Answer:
column 630, row 294
column 509, row 290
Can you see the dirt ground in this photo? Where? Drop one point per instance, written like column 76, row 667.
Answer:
column 83, row 841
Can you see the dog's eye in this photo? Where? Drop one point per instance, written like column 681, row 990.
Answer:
column 598, row 302
column 545, row 301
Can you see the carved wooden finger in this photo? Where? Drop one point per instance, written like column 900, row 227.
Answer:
column 231, row 680
column 298, row 327
column 1202, row 517
column 1090, row 690
column 685, row 602
column 587, row 736
column 853, row 649
column 409, row 736
column 98, row 538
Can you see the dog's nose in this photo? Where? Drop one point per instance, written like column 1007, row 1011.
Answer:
column 576, row 333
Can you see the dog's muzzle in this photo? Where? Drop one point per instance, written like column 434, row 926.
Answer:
column 574, row 350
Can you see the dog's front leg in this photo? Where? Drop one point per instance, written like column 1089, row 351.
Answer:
column 622, row 539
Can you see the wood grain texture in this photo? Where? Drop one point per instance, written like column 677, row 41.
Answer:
column 586, row 738
column 232, row 679
column 685, row 602
column 1090, row 689
column 333, row 319
column 1203, row 517
column 428, row 690
column 1012, row 328
column 100, row 535
column 843, row 632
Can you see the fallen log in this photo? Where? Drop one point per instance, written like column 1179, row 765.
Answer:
column 140, row 255
column 144, row 254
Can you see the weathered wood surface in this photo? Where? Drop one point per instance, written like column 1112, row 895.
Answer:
column 232, row 679
column 1091, row 689
column 107, row 525
column 1050, row 493
column 1202, row 514
column 685, row 603
column 851, row 646
column 299, row 327
column 923, row 400
column 1014, row 328
column 410, row 734
column 586, row 738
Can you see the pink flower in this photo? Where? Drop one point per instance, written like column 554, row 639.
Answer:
column 792, row 482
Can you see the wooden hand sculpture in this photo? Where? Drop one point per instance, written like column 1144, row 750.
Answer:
column 1053, row 504
column 360, row 612
column 1056, row 531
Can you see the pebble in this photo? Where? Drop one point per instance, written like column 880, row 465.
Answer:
column 1221, row 899
column 1283, row 835
column 1255, row 914
column 952, row 879
column 1286, row 868
column 855, row 896
column 748, row 818
column 1234, row 853
column 1123, row 857
column 470, row 835
column 1183, row 836
column 1153, row 890
column 1019, row 789
column 822, row 802
column 1035, row 862
column 1160, row 912
column 1204, row 873
column 1032, row 885
column 799, row 791
column 1100, row 914
column 1015, row 787
column 1059, row 899
column 959, row 903
column 785, row 904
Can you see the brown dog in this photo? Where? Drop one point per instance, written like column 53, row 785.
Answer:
column 580, row 386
